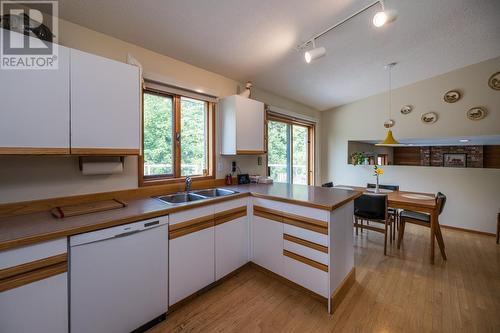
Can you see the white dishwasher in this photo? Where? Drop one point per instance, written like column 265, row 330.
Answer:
column 119, row 277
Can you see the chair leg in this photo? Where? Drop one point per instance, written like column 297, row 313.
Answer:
column 356, row 225
column 440, row 240
column 401, row 231
column 385, row 237
column 390, row 230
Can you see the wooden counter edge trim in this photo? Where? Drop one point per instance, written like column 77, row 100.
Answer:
column 292, row 201
column 342, row 289
column 105, row 151
column 230, row 212
column 32, row 276
column 32, row 265
column 33, row 151
column 305, row 243
column 306, row 261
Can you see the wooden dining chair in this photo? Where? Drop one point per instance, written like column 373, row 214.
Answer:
column 372, row 207
column 498, row 227
column 393, row 212
column 423, row 219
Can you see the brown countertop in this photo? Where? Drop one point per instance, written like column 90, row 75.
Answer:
column 36, row 227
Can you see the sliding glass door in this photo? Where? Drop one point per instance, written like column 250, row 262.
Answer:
column 290, row 151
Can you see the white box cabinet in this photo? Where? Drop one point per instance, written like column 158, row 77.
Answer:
column 191, row 256
column 267, row 238
column 242, row 126
column 42, row 304
column 231, row 236
column 34, row 111
column 105, row 105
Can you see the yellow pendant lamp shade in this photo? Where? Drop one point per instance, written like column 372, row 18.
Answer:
column 389, row 139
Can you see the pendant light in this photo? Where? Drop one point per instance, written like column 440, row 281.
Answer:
column 389, row 139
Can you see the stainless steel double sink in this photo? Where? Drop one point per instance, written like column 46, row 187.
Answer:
column 183, row 197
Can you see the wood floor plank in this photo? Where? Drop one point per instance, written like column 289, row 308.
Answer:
column 400, row 292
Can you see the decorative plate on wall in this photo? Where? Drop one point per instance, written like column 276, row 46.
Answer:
column 452, row 96
column 494, row 81
column 429, row 117
column 406, row 109
column 476, row 113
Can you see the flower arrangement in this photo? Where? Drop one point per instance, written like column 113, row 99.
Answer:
column 378, row 172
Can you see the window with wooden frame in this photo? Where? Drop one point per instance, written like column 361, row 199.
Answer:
column 178, row 136
column 290, row 149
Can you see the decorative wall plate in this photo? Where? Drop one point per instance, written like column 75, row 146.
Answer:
column 494, row 81
column 406, row 109
column 476, row 113
column 452, row 96
column 389, row 123
column 429, row 117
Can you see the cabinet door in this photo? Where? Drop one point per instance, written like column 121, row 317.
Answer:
column 34, row 112
column 268, row 244
column 105, row 108
column 231, row 246
column 249, row 126
column 192, row 262
column 40, row 306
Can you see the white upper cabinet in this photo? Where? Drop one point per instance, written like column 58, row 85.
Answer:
column 34, row 111
column 105, row 106
column 242, row 126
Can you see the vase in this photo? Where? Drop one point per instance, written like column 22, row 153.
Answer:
column 376, row 186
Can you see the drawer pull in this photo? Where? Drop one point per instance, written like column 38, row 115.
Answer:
column 229, row 215
column 306, row 243
column 306, row 261
column 188, row 227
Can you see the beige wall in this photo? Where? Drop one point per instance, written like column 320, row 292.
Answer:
column 474, row 195
column 28, row 178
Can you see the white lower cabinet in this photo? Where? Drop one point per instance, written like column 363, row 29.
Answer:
column 268, row 244
column 191, row 252
column 307, row 276
column 34, row 288
column 231, row 246
column 40, row 306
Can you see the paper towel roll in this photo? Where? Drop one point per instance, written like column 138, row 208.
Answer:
column 101, row 168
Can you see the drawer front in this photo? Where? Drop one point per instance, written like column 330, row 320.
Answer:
column 306, row 212
column 191, row 214
column 305, row 251
column 308, row 235
column 306, row 276
column 30, row 253
column 227, row 205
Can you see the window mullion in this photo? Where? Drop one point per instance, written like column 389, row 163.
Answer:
column 177, row 136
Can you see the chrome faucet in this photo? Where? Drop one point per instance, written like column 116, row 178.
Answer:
column 188, row 184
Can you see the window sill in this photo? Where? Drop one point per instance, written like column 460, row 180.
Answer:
column 165, row 181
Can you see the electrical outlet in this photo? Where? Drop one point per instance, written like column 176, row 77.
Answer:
column 220, row 166
column 233, row 166
column 259, row 160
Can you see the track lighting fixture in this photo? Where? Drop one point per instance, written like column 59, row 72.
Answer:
column 379, row 19
column 314, row 53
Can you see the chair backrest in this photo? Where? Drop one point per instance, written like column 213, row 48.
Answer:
column 374, row 205
column 440, row 201
column 329, row 184
column 385, row 187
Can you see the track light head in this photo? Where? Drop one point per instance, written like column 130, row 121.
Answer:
column 383, row 17
column 314, row 54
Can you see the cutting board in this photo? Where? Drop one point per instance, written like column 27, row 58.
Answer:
column 86, row 208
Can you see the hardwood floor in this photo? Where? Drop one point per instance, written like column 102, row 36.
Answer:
column 398, row 293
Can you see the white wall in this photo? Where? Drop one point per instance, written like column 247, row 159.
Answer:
column 473, row 194
column 30, row 178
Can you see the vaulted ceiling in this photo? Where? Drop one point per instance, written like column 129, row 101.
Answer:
column 256, row 40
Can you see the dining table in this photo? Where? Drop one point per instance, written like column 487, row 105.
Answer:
column 414, row 201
